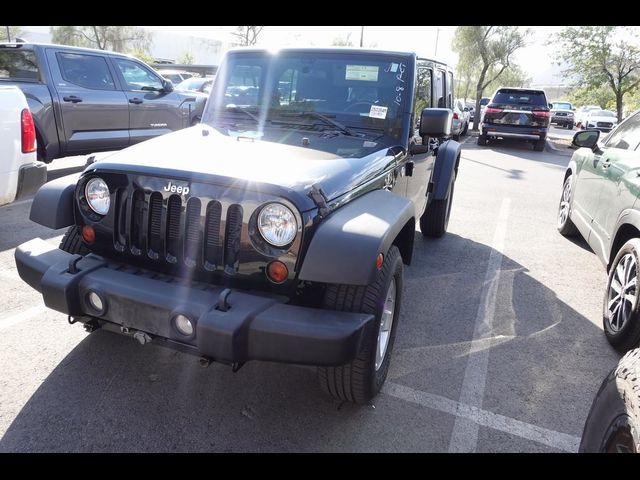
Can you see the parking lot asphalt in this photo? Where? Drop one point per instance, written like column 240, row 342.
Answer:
column 499, row 349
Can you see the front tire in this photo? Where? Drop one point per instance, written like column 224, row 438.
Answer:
column 620, row 316
column 565, row 226
column 435, row 219
column 613, row 424
column 362, row 379
column 72, row 242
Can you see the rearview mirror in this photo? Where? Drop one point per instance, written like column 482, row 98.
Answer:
column 436, row 122
column 586, row 138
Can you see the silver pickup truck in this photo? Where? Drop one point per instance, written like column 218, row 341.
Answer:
column 20, row 173
column 86, row 100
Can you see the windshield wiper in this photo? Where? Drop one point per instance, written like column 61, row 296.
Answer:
column 234, row 108
column 329, row 121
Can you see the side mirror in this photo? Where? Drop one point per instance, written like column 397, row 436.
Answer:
column 436, row 122
column 586, row 138
column 167, row 85
column 551, row 105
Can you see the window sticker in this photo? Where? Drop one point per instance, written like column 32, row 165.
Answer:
column 393, row 68
column 365, row 73
column 378, row 112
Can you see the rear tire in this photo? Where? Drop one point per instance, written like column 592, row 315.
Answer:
column 482, row 140
column 72, row 242
column 613, row 423
column 435, row 219
column 456, row 137
column 362, row 379
column 538, row 146
column 620, row 309
column 466, row 129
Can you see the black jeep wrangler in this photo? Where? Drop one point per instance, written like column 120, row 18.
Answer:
column 275, row 230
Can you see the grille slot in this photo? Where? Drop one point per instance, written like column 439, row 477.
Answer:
column 232, row 238
column 192, row 232
column 137, row 222
column 213, row 243
column 174, row 210
column 155, row 225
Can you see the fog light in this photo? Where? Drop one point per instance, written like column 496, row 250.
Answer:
column 95, row 302
column 183, row 325
column 277, row 271
column 88, row 234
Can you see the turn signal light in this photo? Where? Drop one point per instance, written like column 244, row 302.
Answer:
column 379, row 261
column 277, row 271
column 88, row 234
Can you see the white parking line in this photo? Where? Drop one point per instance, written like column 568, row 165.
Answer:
column 478, row 416
column 22, row 316
column 464, row 437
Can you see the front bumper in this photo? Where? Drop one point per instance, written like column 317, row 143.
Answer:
column 253, row 327
column 562, row 120
column 514, row 131
column 30, row 178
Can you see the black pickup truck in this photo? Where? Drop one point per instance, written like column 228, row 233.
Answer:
column 275, row 230
column 86, row 100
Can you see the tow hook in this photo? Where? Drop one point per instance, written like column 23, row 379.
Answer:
column 142, row 337
column 91, row 326
column 205, row 362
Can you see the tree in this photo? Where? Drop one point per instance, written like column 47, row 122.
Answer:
column 598, row 55
column 247, row 36
column 144, row 56
column 186, row 58
column 513, row 76
column 13, row 32
column 117, row 38
column 584, row 95
column 492, row 47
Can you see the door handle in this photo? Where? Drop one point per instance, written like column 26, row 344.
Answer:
column 72, row 99
column 135, row 100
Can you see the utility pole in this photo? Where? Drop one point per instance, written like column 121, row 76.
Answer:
column 361, row 35
column 437, row 37
column 8, row 34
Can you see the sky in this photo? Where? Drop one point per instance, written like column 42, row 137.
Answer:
column 536, row 59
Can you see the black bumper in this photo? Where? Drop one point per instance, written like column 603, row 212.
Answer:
column 30, row 178
column 253, row 328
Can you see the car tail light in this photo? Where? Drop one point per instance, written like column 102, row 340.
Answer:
column 492, row 110
column 456, row 116
column 541, row 113
column 28, row 132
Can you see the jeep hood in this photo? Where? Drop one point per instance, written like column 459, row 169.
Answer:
column 203, row 154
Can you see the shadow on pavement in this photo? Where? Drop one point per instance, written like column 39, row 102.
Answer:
column 546, row 362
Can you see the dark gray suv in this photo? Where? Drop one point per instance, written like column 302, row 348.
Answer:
column 86, row 100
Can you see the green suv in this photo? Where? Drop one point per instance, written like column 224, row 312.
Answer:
column 599, row 201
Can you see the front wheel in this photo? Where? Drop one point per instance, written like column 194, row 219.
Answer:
column 435, row 219
column 565, row 226
column 362, row 379
column 72, row 241
column 620, row 316
column 613, row 424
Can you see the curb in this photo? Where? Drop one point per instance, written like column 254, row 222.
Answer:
column 551, row 148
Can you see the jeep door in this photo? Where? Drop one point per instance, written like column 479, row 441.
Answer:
column 94, row 111
column 152, row 110
column 620, row 183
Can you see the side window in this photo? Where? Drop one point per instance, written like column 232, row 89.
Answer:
column 441, row 88
column 423, row 90
column 137, row 77
column 627, row 136
column 88, row 71
column 18, row 64
column 450, row 90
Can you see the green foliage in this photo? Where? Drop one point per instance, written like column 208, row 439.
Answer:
column 601, row 55
column 187, row 58
column 484, row 54
column 13, row 31
column 513, row 76
column 144, row 56
column 116, row 38
column 601, row 95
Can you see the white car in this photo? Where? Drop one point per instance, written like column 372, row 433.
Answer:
column 20, row 172
column 582, row 112
column 603, row 120
column 176, row 76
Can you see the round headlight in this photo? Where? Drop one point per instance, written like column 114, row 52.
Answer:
column 97, row 194
column 277, row 224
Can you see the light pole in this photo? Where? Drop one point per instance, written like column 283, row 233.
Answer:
column 435, row 54
column 8, row 34
column 361, row 36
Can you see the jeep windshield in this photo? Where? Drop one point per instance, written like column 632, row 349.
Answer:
column 349, row 94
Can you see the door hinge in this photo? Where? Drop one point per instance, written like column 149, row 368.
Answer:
column 320, row 199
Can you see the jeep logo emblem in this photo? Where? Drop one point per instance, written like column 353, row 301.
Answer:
column 173, row 188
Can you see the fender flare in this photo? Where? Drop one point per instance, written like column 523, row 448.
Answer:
column 53, row 203
column 446, row 164
column 628, row 216
column 345, row 245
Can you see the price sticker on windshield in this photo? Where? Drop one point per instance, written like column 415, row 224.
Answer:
column 378, row 112
column 365, row 73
